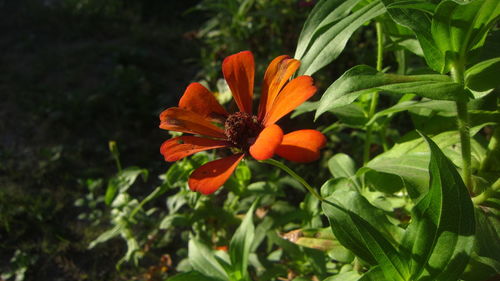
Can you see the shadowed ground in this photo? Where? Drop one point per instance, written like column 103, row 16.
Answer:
column 71, row 80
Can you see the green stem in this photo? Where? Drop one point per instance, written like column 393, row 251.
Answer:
column 380, row 45
column 118, row 164
column 493, row 151
column 457, row 73
column 295, row 176
column 374, row 101
column 481, row 198
column 113, row 148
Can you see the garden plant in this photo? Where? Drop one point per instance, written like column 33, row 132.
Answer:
column 366, row 147
column 423, row 208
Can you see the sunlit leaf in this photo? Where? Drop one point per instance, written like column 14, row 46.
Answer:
column 324, row 14
column 358, row 226
column 241, row 243
column 419, row 22
column 364, row 79
column 440, row 237
column 459, row 28
column 203, row 260
column 330, row 39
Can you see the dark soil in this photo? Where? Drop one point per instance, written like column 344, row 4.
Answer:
column 70, row 81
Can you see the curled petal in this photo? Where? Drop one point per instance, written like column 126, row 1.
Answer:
column 177, row 148
column 294, row 94
column 267, row 142
column 198, row 99
column 238, row 70
column 181, row 120
column 301, row 146
column 212, row 175
column 277, row 74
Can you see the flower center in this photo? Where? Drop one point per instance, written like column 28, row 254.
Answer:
column 242, row 129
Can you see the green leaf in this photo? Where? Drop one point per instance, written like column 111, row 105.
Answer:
column 203, row 260
column 335, row 184
column 305, row 107
column 311, row 257
column 341, row 192
column 351, row 115
column 390, row 174
column 324, row 14
column 363, row 79
column 344, row 276
column 458, row 29
column 191, row 276
column 420, row 23
column 409, row 161
column 121, row 182
column 108, row 234
column 485, row 259
column 240, row 179
column 342, row 166
column 330, row 39
column 241, row 243
column 353, row 222
column 441, row 105
column 440, row 237
column 388, row 182
column 374, row 274
column 483, row 76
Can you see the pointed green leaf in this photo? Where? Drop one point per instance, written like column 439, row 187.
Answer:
column 353, row 222
column 241, row 243
column 329, row 41
column 203, row 260
column 363, row 79
column 439, row 239
column 420, row 23
column 458, row 29
column 324, row 14
column 409, row 161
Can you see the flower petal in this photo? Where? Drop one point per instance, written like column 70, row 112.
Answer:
column 181, row 120
column 277, row 74
column 209, row 177
column 238, row 70
column 198, row 99
column 267, row 142
column 294, row 94
column 177, row 148
column 301, row 146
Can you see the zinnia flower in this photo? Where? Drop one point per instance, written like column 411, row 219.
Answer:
column 199, row 113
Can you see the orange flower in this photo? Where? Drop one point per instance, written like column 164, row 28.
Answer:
column 199, row 113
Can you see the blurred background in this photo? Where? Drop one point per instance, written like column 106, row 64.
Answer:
column 76, row 74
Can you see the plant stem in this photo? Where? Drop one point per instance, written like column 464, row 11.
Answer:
column 295, row 176
column 380, row 45
column 113, row 148
column 481, row 198
column 493, row 151
column 457, row 73
column 374, row 101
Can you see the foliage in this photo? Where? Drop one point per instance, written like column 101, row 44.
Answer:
column 408, row 183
